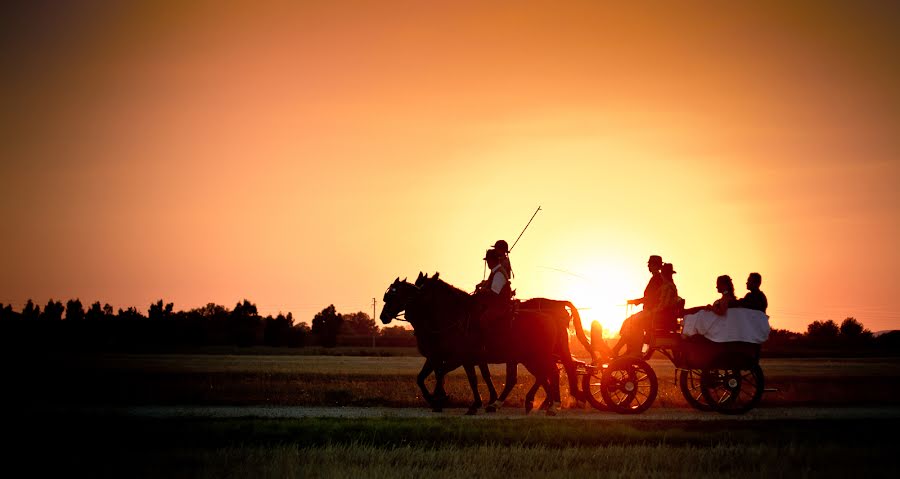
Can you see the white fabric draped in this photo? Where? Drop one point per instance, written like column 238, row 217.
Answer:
column 739, row 324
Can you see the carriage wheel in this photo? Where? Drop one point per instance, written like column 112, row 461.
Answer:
column 689, row 382
column 732, row 390
column 591, row 384
column 629, row 386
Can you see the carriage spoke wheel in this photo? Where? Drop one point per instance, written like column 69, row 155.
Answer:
column 591, row 383
column 734, row 390
column 689, row 382
column 629, row 386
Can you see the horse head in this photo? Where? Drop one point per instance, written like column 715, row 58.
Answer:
column 396, row 298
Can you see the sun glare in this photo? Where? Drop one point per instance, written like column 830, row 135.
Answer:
column 599, row 292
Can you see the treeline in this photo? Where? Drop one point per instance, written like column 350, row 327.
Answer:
column 830, row 338
column 72, row 326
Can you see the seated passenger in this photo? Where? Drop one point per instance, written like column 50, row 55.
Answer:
column 669, row 306
column 754, row 299
column 725, row 286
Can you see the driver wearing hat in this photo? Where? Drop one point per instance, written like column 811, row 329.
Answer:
column 502, row 247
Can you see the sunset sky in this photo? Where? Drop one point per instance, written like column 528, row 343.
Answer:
column 300, row 154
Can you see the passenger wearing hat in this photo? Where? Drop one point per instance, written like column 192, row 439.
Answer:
column 632, row 332
column 503, row 248
column 670, row 305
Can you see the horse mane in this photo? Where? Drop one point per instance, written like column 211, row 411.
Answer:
column 449, row 289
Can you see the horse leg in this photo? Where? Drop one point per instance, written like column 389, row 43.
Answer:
column 486, row 375
column 512, row 374
column 473, row 383
column 529, row 396
column 572, row 374
column 426, row 371
column 553, row 393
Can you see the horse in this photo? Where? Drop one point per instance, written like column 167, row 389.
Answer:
column 443, row 318
column 562, row 311
column 396, row 300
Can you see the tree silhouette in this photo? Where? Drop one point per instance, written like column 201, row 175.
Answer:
column 53, row 311
column 278, row 330
column 246, row 325
column 130, row 314
column 358, row 324
column 822, row 330
column 158, row 311
column 74, row 310
column 31, row 311
column 326, row 325
column 94, row 313
column 852, row 329
column 396, row 331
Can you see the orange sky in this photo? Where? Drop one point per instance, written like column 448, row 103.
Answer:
column 303, row 155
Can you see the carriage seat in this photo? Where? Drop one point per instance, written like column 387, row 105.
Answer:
column 667, row 326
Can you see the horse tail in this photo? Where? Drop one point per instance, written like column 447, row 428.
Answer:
column 579, row 329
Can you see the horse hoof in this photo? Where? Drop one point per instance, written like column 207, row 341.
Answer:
column 471, row 412
column 490, row 409
column 528, row 408
column 579, row 404
column 551, row 412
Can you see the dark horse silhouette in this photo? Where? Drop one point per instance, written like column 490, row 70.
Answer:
column 445, row 322
column 396, row 299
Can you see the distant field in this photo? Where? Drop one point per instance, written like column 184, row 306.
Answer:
column 378, row 381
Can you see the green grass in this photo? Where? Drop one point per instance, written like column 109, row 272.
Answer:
column 458, row 447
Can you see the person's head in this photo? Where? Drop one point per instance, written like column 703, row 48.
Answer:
column 724, row 284
column 668, row 270
column 492, row 256
column 654, row 263
column 501, row 246
column 754, row 281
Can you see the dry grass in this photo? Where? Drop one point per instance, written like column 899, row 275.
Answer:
column 384, row 381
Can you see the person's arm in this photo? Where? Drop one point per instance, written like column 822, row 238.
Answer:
column 720, row 307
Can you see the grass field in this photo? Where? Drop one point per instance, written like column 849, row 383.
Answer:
column 51, row 444
column 217, row 379
column 453, row 447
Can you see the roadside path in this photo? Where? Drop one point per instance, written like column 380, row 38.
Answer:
column 653, row 414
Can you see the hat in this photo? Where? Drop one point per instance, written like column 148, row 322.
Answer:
column 668, row 268
column 491, row 254
column 502, row 245
column 655, row 259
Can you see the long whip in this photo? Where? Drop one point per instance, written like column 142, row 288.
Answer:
column 525, row 228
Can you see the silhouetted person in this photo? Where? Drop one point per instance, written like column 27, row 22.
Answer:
column 502, row 247
column 632, row 332
column 494, row 294
column 754, row 299
column 725, row 286
column 669, row 307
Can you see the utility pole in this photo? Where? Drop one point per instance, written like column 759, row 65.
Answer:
column 373, row 319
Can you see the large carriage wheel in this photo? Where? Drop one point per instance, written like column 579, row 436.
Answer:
column 734, row 386
column 629, row 385
column 591, row 383
column 689, row 382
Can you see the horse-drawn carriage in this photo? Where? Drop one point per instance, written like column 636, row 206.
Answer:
column 720, row 374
